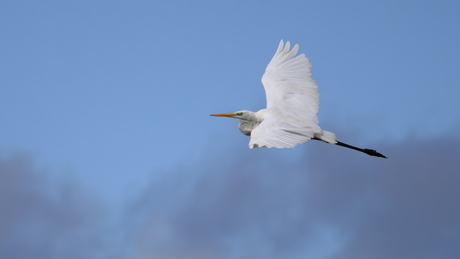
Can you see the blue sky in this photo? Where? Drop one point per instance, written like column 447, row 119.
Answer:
column 113, row 98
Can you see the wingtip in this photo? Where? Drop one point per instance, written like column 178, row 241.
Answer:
column 280, row 46
column 287, row 46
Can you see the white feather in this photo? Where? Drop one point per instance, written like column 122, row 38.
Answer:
column 292, row 103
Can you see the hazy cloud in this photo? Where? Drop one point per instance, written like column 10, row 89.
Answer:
column 332, row 203
column 39, row 219
column 335, row 203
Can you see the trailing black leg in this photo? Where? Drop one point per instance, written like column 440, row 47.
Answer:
column 370, row 152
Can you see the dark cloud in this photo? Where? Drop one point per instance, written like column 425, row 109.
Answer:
column 331, row 203
column 334, row 203
column 41, row 219
column 420, row 211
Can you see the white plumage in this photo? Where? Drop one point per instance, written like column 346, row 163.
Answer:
column 292, row 104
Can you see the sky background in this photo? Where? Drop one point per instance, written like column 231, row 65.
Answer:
column 107, row 149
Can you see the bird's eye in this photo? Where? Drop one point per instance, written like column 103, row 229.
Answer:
column 239, row 113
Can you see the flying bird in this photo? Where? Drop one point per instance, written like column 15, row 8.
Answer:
column 292, row 103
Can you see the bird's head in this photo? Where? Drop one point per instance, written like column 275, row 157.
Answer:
column 237, row 115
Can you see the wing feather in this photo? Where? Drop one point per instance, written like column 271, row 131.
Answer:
column 273, row 132
column 292, row 100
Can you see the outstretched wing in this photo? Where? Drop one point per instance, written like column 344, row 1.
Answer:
column 275, row 132
column 292, row 101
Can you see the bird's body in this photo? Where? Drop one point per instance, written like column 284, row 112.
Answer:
column 292, row 104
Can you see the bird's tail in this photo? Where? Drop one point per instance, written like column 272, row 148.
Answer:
column 326, row 136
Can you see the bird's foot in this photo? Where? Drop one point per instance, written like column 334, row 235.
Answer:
column 372, row 152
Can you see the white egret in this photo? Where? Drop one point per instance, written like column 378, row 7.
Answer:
column 292, row 104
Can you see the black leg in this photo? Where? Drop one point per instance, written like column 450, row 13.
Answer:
column 370, row 152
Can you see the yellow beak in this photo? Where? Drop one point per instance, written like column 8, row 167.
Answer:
column 230, row 114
